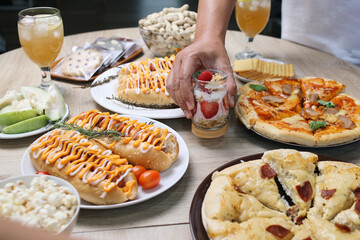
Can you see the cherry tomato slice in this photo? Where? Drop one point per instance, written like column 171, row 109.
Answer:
column 42, row 173
column 138, row 170
column 149, row 179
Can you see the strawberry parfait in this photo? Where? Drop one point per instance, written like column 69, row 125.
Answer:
column 210, row 119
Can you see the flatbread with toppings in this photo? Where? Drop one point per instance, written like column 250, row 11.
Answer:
column 313, row 204
column 309, row 111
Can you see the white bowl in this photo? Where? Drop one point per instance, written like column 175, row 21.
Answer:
column 60, row 182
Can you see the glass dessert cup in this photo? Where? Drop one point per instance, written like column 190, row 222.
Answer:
column 211, row 116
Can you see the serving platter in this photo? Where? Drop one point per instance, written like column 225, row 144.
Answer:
column 46, row 128
column 196, row 224
column 168, row 178
column 104, row 93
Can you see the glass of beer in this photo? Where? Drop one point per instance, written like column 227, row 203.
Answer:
column 251, row 17
column 41, row 35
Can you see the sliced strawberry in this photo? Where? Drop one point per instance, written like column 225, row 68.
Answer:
column 209, row 109
column 205, row 76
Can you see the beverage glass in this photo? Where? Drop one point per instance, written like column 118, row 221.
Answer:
column 41, row 35
column 211, row 116
column 251, row 17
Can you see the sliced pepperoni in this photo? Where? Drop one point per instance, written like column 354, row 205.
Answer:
column 343, row 227
column 238, row 189
column 292, row 212
column 267, row 171
column 299, row 220
column 327, row 193
column 305, row 191
column 357, row 193
column 278, row 231
column 357, row 207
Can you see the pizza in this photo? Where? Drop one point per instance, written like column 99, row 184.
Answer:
column 143, row 83
column 309, row 111
column 322, row 199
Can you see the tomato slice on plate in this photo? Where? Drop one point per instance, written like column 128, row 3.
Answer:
column 42, row 173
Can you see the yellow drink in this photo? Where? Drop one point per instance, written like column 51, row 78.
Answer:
column 41, row 37
column 252, row 16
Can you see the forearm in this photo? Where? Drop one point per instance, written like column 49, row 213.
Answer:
column 213, row 18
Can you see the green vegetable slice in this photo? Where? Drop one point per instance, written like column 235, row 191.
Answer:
column 326, row 104
column 317, row 124
column 258, row 87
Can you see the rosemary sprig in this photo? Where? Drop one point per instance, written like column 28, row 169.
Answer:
column 91, row 133
column 105, row 80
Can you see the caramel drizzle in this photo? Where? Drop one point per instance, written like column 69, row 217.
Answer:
column 83, row 158
column 148, row 74
column 141, row 133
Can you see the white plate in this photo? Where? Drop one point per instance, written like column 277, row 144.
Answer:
column 243, row 79
column 107, row 90
column 168, row 178
column 37, row 131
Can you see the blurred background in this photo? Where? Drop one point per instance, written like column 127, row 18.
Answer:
column 92, row 15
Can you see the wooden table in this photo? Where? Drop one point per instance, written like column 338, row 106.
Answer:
column 167, row 215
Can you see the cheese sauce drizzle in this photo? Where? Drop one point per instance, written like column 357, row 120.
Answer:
column 143, row 135
column 147, row 75
column 83, row 158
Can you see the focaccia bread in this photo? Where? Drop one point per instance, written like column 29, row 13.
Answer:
column 317, row 205
column 99, row 176
column 141, row 143
column 309, row 111
column 143, row 83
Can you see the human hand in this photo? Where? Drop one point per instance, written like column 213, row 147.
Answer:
column 202, row 54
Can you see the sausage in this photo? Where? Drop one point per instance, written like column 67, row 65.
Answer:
column 267, row 171
column 272, row 99
column 278, row 231
column 330, row 111
column 346, row 122
column 305, row 191
column 287, row 89
column 327, row 193
column 314, row 97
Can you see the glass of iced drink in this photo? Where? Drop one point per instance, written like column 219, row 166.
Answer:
column 41, row 35
column 211, row 116
column 251, row 17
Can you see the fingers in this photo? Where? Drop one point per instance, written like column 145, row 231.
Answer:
column 173, row 86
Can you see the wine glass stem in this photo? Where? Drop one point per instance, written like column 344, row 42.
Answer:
column 45, row 78
column 248, row 47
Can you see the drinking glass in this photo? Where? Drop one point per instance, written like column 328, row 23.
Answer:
column 41, row 35
column 251, row 17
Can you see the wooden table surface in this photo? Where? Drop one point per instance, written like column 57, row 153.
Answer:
column 166, row 216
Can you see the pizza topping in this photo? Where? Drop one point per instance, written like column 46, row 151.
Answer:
column 209, row 109
column 310, row 113
column 305, row 191
column 327, row 193
column 357, row 193
column 308, row 238
column 326, row 104
column 357, row 207
column 292, row 212
column 267, row 171
column 287, row 89
column 278, row 231
column 299, row 220
column 317, row 124
column 258, row 87
column 236, row 187
column 272, row 99
column 346, row 122
column 343, row 227
column 330, row 111
column 314, row 97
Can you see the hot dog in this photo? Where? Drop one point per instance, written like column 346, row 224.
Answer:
column 99, row 176
column 144, row 144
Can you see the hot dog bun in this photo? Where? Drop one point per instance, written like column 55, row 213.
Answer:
column 145, row 144
column 99, row 176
